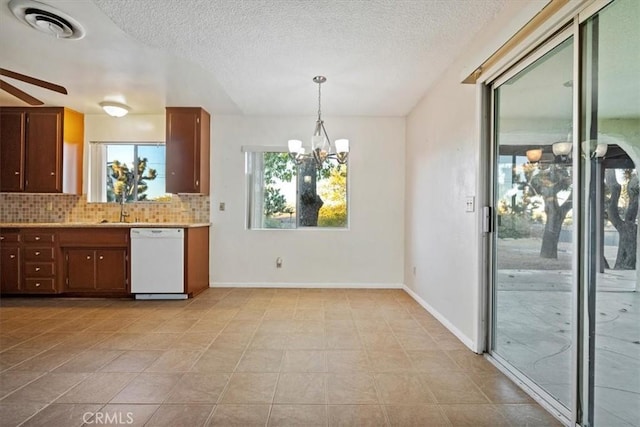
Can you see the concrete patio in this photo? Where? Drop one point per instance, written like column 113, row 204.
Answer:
column 534, row 333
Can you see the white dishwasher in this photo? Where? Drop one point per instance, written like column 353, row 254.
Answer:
column 157, row 263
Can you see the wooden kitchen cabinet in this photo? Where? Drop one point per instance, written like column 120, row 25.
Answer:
column 196, row 259
column 41, row 150
column 10, row 262
column 96, row 270
column 28, row 261
column 12, row 131
column 187, row 145
column 96, row 261
column 38, row 261
column 89, row 261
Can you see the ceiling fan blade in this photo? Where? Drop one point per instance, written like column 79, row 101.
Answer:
column 19, row 94
column 33, row 81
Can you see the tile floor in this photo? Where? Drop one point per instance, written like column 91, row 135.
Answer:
column 266, row 357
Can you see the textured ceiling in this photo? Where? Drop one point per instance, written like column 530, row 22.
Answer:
column 379, row 56
column 107, row 64
column 252, row 57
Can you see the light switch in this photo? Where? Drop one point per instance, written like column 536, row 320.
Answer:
column 222, row 206
column 471, row 204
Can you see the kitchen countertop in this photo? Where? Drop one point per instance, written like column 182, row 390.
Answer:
column 102, row 225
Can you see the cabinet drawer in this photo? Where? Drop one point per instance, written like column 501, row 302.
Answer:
column 92, row 237
column 9, row 237
column 38, row 237
column 39, row 285
column 38, row 254
column 39, row 269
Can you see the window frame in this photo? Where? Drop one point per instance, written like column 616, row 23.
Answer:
column 97, row 173
column 249, row 194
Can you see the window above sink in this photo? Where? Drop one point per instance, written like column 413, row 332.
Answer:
column 136, row 170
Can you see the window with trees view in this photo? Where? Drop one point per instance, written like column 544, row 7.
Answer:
column 283, row 195
column 133, row 171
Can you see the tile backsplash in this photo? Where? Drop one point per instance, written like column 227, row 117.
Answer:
column 17, row 207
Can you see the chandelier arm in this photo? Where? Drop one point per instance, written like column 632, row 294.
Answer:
column 325, row 134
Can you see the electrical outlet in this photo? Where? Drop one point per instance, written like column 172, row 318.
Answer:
column 222, row 206
column 278, row 262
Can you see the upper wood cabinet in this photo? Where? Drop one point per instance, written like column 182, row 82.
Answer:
column 187, row 145
column 41, row 150
column 12, row 131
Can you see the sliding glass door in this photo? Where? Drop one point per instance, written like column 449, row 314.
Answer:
column 610, row 129
column 533, row 243
column 565, row 300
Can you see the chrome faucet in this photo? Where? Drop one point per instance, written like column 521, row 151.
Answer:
column 123, row 214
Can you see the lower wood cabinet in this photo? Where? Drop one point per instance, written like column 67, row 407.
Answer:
column 39, row 261
column 96, row 269
column 28, row 261
column 85, row 261
column 96, row 261
column 10, row 264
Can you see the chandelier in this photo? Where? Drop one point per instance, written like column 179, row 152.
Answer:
column 321, row 148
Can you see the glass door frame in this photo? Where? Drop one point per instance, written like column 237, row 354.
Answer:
column 565, row 28
column 542, row 396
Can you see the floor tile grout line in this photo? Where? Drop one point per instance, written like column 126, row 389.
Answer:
column 48, row 404
column 24, row 385
column 226, row 387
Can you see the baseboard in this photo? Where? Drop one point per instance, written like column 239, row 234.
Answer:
column 307, row 285
column 445, row 322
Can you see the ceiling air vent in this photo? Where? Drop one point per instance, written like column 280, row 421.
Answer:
column 47, row 19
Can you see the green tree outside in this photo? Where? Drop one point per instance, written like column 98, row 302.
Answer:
column 329, row 197
column 125, row 182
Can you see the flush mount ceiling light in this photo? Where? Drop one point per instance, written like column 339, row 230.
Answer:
column 47, row 19
column 114, row 109
column 321, row 149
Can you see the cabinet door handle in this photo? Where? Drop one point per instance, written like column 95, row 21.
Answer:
column 37, row 268
column 88, row 257
column 197, row 182
column 1, row 237
column 37, row 238
column 37, row 285
column 53, row 173
column 173, row 173
column 12, row 256
column 101, row 257
column 16, row 173
column 37, row 253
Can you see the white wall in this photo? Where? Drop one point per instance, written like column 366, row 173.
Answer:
column 441, row 238
column 370, row 253
column 132, row 127
column 442, row 241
